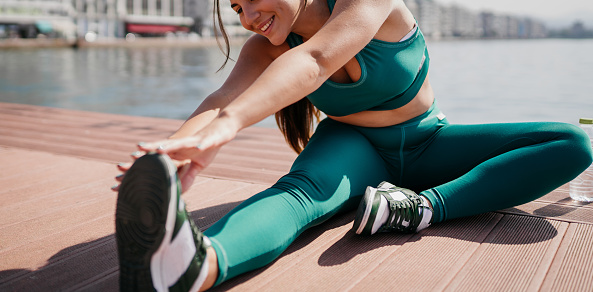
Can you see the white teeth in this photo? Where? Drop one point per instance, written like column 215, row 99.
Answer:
column 265, row 27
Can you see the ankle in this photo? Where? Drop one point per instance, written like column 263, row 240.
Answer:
column 426, row 212
column 426, row 201
column 212, row 269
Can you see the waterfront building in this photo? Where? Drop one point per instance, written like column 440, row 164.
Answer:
column 537, row 29
column 429, row 17
column 94, row 19
column 488, row 22
column 117, row 18
column 28, row 19
column 437, row 20
column 512, row 27
column 465, row 23
column 230, row 19
column 500, row 26
column 446, row 21
column 200, row 12
column 98, row 18
column 109, row 19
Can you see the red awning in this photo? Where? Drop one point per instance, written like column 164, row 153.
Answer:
column 153, row 28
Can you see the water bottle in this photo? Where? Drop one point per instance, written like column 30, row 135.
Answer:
column 581, row 188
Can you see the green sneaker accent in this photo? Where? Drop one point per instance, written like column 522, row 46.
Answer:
column 188, row 279
column 367, row 212
column 402, row 204
column 404, row 210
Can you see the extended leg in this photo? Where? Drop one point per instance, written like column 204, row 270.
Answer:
column 329, row 176
column 471, row 169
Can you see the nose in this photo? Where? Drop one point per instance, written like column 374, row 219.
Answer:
column 250, row 17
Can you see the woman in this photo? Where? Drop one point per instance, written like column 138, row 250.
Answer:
column 364, row 63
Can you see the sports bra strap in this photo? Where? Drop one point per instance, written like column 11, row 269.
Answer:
column 331, row 4
column 293, row 40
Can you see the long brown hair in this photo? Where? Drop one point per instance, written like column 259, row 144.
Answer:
column 219, row 30
column 296, row 121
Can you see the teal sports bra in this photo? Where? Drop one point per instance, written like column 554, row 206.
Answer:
column 391, row 76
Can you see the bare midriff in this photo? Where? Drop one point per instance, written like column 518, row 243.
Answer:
column 419, row 105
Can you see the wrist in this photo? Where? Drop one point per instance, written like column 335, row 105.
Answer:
column 230, row 121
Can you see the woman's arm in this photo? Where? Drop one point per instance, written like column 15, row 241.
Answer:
column 303, row 69
column 294, row 74
column 256, row 55
column 249, row 97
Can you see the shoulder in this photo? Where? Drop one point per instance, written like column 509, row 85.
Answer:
column 259, row 46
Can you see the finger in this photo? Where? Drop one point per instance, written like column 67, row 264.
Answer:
column 120, row 177
column 183, row 169
column 188, row 176
column 180, row 163
column 152, row 146
column 137, row 154
column 178, row 145
column 124, row 166
column 171, row 145
column 115, row 188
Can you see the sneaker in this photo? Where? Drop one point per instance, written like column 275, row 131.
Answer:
column 159, row 246
column 391, row 208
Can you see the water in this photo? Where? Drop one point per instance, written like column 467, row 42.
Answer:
column 157, row 82
column 475, row 81
column 513, row 80
column 581, row 188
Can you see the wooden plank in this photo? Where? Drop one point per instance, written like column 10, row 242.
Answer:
column 48, row 175
column 429, row 260
column 572, row 269
column 574, row 212
column 112, row 138
column 305, row 251
column 514, row 257
column 58, row 223
column 69, row 218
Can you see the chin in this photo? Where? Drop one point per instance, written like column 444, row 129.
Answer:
column 277, row 40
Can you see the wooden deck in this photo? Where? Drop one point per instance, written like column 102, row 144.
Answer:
column 57, row 219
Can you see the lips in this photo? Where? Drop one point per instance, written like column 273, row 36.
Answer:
column 266, row 25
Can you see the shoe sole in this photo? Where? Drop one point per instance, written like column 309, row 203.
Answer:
column 144, row 220
column 364, row 221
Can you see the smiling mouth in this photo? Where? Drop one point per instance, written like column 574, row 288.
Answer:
column 267, row 25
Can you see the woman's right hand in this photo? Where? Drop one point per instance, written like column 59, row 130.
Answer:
column 190, row 154
column 182, row 171
column 187, row 169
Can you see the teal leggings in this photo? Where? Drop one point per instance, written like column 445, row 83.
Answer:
column 462, row 169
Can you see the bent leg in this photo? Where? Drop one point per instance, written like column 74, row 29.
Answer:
column 330, row 175
column 471, row 169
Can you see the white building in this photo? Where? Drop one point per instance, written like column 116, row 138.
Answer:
column 28, row 17
column 107, row 19
column 199, row 11
column 230, row 19
column 429, row 17
column 446, row 21
column 115, row 18
column 102, row 18
column 466, row 23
